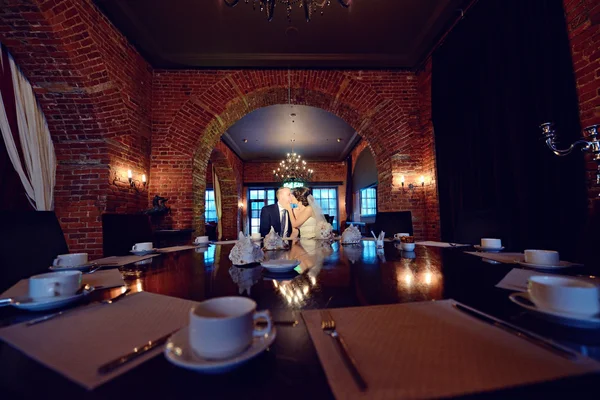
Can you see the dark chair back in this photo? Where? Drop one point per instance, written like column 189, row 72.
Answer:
column 473, row 225
column 29, row 242
column 393, row 222
column 121, row 231
column 211, row 231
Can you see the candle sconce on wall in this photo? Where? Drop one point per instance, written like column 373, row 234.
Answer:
column 412, row 186
column 135, row 184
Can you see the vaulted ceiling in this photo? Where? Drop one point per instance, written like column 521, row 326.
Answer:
column 266, row 134
column 209, row 34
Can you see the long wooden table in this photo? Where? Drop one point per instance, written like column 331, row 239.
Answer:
column 336, row 276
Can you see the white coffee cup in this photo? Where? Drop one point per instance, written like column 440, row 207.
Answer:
column 542, row 257
column 201, row 240
column 53, row 284
column 145, row 246
column 489, row 243
column 408, row 246
column 70, row 260
column 224, row 326
column 564, row 294
column 256, row 236
column 397, row 236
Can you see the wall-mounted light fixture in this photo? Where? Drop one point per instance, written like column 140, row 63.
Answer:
column 135, row 184
column 413, row 186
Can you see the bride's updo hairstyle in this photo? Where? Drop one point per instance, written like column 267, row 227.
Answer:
column 301, row 193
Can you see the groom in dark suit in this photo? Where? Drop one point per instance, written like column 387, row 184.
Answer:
column 276, row 215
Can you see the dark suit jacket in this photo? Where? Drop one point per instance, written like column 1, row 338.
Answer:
column 269, row 217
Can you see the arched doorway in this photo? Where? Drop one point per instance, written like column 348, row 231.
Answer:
column 193, row 131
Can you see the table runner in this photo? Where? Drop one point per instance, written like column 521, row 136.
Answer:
column 76, row 344
column 508, row 258
column 176, row 248
column 441, row 244
column 430, row 349
column 108, row 278
column 119, row 261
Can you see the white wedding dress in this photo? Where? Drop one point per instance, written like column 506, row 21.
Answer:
column 308, row 228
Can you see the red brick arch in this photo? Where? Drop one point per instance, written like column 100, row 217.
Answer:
column 230, row 195
column 387, row 125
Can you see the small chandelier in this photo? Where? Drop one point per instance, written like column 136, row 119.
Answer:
column 309, row 6
column 292, row 169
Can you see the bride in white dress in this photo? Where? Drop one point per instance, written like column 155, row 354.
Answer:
column 306, row 215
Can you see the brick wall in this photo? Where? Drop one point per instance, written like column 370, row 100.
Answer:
column 192, row 109
column 583, row 21
column 95, row 92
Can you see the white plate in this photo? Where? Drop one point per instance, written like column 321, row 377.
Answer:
column 179, row 351
column 576, row 320
column 52, row 302
column 83, row 267
column 142, row 252
column 280, row 265
column 489, row 249
column 561, row 265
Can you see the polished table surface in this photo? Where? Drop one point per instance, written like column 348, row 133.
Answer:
column 332, row 276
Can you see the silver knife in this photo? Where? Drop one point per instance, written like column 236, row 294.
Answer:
column 523, row 334
column 132, row 355
column 58, row 314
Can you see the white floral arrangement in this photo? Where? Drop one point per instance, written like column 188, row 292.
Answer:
column 324, row 230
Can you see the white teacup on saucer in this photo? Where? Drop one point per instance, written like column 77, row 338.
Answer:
column 202, row 240
column 54, row 284
column 491, row 243
column 70, row 260
column 144, row 246
column 564, row 294
column 224, row 326
column 542, row 257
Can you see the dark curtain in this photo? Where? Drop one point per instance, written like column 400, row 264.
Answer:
column 504, row 70
column 13, row 195
column 349, row 190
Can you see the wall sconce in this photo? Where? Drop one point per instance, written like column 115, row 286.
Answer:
column 589, row 143
column 240, row 205
column 138, row 186
column 413, row 186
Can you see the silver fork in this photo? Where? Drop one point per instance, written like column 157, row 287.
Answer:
column 328, row 327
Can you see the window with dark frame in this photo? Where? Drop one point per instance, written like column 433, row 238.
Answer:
column 368, row 202
column 326, row 197
column 257, row 199
column 210, row 209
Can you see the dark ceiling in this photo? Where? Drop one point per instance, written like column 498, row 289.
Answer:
column 269, row 132
column 208, row 34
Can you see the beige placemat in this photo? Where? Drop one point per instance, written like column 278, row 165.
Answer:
column 175, row 248
column 107, row 278
column 77, row 343
column 441, row 244
column 509, row 258
column 430, row 349
column 119, row 261
column 225, row 242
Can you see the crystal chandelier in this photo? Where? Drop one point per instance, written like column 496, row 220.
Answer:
column 293, row 168
column 309, row 6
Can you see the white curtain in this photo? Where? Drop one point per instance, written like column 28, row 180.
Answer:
column 38, row 175
column 217, row 190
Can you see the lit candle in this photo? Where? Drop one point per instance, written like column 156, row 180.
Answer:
column 129, row 175
column 143, row 178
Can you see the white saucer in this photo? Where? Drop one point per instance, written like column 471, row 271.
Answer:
column 83, row 267
column 52, row 302
column 489, row 249
column 280, row 265
column 179, row 351
column 142, row 252
column 576, row 320
column 561, row 265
